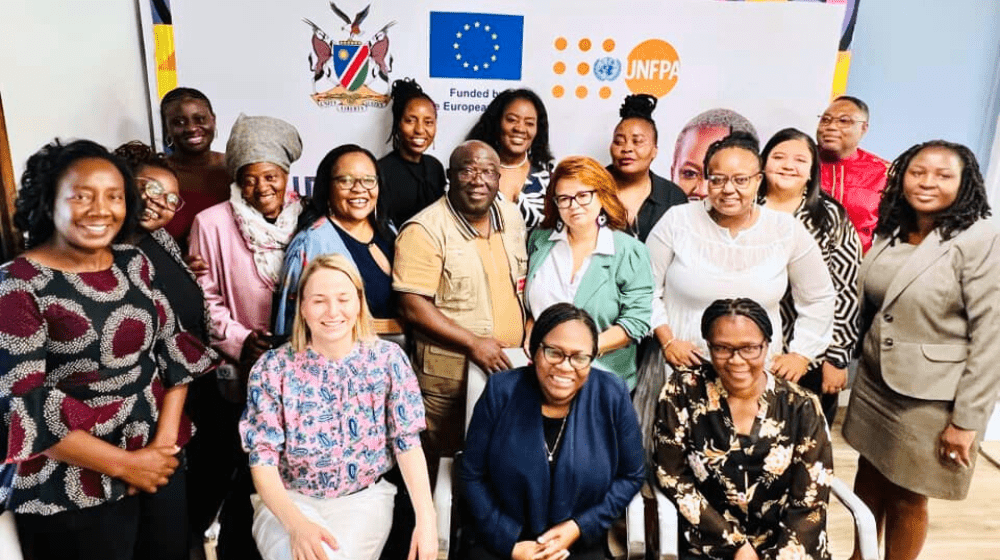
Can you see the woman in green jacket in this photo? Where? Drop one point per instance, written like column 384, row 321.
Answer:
column 582, row 255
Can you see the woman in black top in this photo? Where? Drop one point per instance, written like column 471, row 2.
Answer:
column 646, row 195
column 413, row 179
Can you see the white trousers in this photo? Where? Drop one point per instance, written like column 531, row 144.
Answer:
column 360, row 523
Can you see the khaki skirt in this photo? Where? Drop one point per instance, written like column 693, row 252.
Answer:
column 898, row 435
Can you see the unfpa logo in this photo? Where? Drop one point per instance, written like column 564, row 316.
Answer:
column 651, row 67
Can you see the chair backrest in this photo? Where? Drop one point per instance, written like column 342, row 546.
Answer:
column 476, row 380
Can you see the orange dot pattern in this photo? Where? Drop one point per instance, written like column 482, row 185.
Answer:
column 584, row 45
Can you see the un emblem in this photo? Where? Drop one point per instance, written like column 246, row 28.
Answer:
column 607, row 69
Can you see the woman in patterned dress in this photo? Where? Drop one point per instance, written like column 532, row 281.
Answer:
column 744, row 455
column 516, row 125
column 93, row 370
column 791, row 184
column 327, row 416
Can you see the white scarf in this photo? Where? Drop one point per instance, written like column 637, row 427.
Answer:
column 265, row 240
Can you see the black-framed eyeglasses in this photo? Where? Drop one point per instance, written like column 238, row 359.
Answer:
column 467, row 174
column 555, row 356
column 348, row 182
column 739, row 181
column 747, row 352
column 583, row 198
column 843, row 121
column 155, row 190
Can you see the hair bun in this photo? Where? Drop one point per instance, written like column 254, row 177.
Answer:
column 639, row 105
column 405, row 88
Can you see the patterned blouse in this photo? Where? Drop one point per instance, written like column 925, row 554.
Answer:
column 531, row 201
column 770, row 487
column 841, row 248
column 329, row 426
column 89, row 351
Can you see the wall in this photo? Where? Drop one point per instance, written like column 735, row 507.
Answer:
column 71, row 70
column 928, row 70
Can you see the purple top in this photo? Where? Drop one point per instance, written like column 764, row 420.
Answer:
column 329, row 426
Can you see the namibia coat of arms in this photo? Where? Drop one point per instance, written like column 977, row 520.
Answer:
column 351, row 66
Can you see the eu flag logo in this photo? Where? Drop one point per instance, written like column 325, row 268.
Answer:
column 478, row 46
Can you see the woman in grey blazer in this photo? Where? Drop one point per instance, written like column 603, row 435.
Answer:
column 928, row 377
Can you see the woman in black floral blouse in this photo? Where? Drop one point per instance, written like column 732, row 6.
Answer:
column 93, row 370
column 745, row 456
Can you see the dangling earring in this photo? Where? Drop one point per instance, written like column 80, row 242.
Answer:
column 559, row 225
column 602, row 219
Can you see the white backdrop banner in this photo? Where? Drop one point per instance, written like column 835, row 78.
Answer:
column 326, row 67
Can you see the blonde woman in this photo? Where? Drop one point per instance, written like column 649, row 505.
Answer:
column 327, row 416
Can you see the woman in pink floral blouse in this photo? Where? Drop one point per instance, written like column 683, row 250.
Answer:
column 744, row 454
column 328, row 414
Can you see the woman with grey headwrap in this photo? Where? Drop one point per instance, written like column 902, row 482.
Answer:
column 243, row 240
column 242, row 245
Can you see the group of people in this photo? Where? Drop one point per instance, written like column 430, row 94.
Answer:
column 183, row 333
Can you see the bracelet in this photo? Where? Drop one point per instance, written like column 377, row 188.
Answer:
column 667, row 345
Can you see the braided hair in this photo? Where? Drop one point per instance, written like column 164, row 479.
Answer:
column 555, row 315
column 736, row 139
column 403, row 92
column 896, row 216
column 487, row 128
column 639, row 106
column 742, row 307
column 138, row 155
column 40, row 181
column 815, row 199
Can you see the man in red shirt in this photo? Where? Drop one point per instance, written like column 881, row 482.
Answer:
column 849, row 174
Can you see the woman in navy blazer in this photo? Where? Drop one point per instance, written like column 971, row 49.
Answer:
column 553, row 452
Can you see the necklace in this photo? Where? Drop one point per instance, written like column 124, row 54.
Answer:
column 552, row 452
column 523, row 161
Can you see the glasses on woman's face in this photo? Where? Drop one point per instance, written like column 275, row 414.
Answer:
column 583, row 198
column 154, row 190
column 347, row 182
column 747, row 352
column 718, row 182
column 555, row 356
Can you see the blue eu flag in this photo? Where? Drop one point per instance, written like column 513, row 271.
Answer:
column 478, row 46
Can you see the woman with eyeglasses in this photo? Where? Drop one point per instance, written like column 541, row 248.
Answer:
column 581, row 254
column 344, row 216
column 208, row 472
column 729, row 246
column 744, row 455
column 552, row 454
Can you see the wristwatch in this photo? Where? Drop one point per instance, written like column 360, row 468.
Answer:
column 839, row 364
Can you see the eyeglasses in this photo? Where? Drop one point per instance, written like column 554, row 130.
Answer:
column 583, row 198
column 748, row 352
column 842, row 121
column 155, row 190
column 555, row 356
column 467, row 174
column 739, row 181
column 347, row 182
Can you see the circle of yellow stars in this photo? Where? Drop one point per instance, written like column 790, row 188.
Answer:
column 456, row 45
